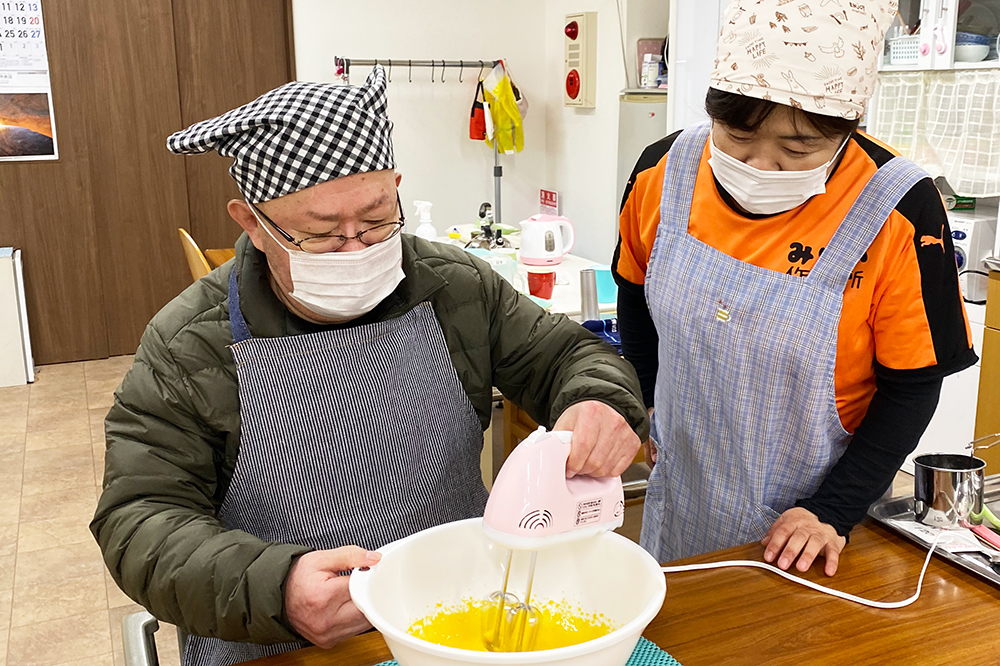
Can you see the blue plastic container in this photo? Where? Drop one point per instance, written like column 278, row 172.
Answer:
column 607, row 290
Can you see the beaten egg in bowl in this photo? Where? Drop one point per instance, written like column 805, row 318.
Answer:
column 560, row 624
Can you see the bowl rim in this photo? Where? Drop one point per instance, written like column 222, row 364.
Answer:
column 359, row 589
column 971, row 38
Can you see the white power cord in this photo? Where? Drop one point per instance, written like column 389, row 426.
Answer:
column 816, row 586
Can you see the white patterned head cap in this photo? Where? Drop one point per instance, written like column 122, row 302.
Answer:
column 298, row 135
column 817, row 55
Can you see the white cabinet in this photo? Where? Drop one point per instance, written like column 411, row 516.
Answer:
column 947, row 34
column 16, row 366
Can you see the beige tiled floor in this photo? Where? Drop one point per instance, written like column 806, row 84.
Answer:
column 58, row 605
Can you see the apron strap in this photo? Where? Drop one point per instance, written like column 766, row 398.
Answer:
column 864, row 221
column 680, row 175
column 237, row 324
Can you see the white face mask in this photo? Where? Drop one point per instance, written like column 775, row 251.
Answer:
column 768, row 192
column 344, row 285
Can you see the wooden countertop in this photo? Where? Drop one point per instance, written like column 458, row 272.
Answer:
column 749, row 616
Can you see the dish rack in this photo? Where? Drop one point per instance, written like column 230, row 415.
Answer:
column 903, row 50
column 891, row 511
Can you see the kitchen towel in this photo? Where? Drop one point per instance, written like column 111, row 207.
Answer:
column 607, row 330
column 646, row 653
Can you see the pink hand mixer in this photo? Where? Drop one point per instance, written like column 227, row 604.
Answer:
column 534, row 506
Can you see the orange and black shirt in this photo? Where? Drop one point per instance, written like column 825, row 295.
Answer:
column 903, row 325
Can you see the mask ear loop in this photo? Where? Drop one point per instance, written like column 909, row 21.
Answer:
column 835, row 161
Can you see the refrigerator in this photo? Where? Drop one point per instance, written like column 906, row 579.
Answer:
column 642, row 120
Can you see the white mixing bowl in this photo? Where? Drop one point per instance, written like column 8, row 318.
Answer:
column 454, row 562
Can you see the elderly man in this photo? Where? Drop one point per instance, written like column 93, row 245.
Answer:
column 326, row 392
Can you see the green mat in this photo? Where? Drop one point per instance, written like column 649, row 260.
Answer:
column 646, row 653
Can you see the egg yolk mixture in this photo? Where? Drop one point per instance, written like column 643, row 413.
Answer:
column 461, row 626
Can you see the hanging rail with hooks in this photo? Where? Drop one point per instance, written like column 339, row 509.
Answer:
column 344, row 66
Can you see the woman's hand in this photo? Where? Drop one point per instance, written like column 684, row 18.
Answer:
column 649, row 447
column 317, row 600
column 798, row 533
column 649, row 451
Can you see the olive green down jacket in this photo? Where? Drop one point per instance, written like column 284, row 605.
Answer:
column 173, row 432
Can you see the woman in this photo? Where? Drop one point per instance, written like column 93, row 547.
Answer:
column 788, row 294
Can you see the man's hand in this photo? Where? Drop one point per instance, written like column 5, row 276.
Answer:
column 317, row 601
column 798, row 533
column 603, row 442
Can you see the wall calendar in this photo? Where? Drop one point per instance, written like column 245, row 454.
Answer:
column 27, row 126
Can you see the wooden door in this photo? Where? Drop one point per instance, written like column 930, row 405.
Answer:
column 246, row 52
column 988, row 409
column 99, row 226
column 140, row 195
column 47, row 208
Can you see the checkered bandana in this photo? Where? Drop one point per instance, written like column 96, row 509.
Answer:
column 817, row 55
column 298, row 135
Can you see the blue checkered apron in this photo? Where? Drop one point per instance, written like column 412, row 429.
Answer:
column 362, row 435
column 746, row 420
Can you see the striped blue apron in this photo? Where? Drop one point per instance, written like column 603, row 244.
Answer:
column 361, row 435
column 746, row 419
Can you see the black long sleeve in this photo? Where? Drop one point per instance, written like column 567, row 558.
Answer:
column 640, row 342
column 896, row 419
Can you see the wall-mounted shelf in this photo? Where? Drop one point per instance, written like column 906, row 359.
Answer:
column 958, row 66
column 983, row 64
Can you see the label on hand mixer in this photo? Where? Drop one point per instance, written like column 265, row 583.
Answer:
column 588, row 511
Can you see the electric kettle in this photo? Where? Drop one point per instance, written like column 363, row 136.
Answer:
column 545, row 239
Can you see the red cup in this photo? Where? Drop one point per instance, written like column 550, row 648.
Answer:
column 540, row 284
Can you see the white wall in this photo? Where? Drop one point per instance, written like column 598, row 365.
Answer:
column 574, row 151
column 438, row 161
column 694, row 33
column 582, row 144
column 643, row 19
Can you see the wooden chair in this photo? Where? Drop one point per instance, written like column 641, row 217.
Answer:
column 197, row 263
column 220, row 256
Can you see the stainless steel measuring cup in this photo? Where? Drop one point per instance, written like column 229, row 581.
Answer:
column 948, row 489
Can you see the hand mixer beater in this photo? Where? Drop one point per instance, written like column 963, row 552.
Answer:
column 534, row 506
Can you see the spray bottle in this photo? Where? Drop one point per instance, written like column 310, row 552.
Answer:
column 425, row 230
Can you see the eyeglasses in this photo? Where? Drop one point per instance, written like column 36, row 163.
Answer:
column 333, row 242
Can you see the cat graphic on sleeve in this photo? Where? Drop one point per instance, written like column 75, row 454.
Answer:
column 926, row 241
